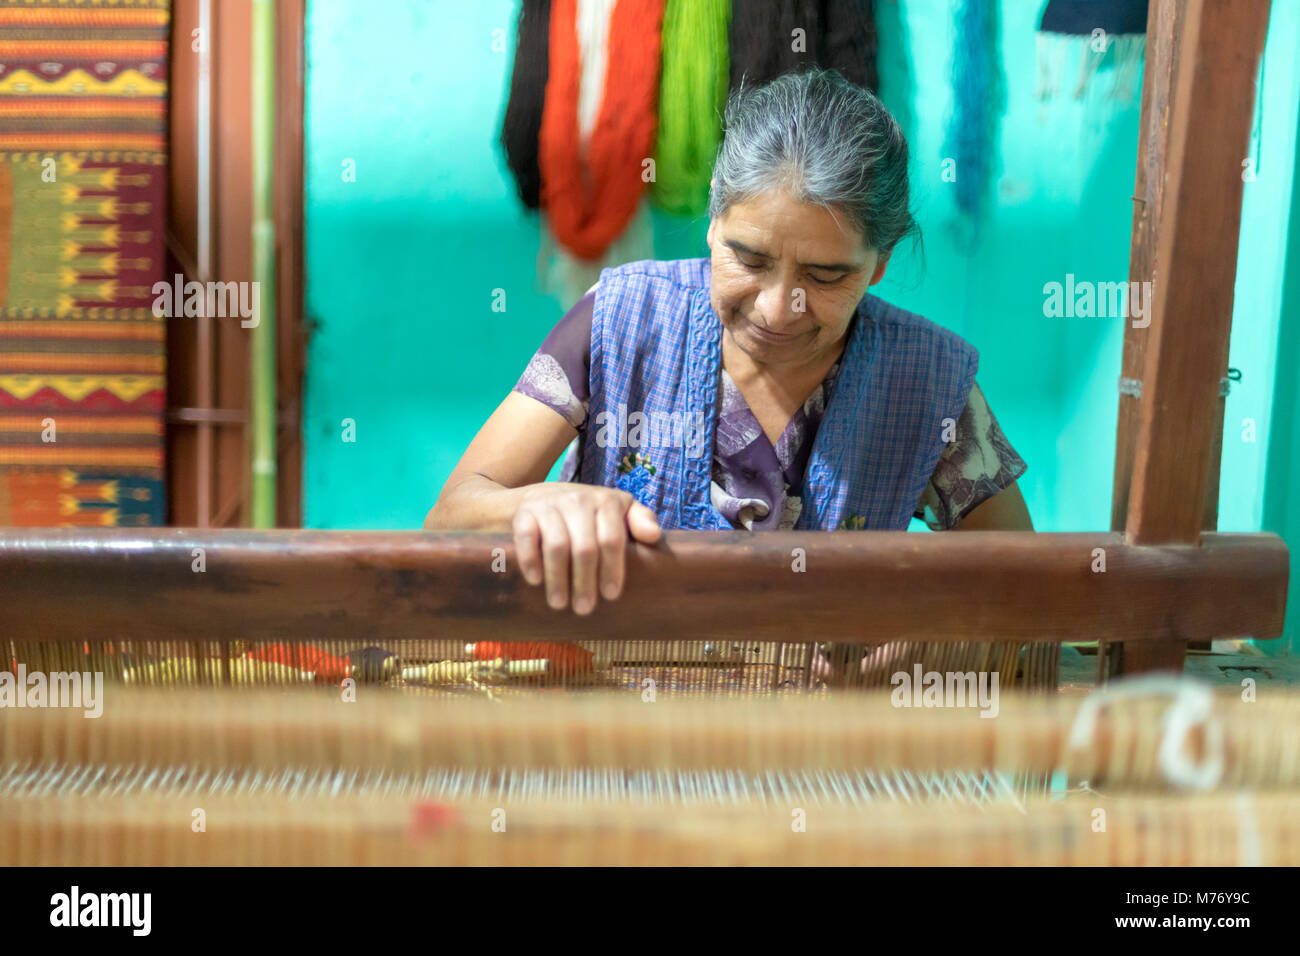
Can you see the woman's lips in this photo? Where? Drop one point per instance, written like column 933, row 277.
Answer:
column 777, row 338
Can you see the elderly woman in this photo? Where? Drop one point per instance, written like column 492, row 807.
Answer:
column 759, row 388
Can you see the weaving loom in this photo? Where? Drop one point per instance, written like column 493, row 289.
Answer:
column 596, row 780
column 700, row 737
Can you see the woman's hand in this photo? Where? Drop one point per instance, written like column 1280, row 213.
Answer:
column 857, row 664
column 835, row 667
column 574, row 537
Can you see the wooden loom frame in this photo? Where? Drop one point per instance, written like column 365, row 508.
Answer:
column 1164, row 583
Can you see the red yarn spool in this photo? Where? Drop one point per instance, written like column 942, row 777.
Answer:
column 564, row 658
column 328, row 668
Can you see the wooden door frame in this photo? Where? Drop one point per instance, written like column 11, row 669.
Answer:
column 208, row 360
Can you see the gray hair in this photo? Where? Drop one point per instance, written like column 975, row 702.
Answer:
column 826, row 140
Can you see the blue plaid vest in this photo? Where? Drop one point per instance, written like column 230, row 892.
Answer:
column 656, row 348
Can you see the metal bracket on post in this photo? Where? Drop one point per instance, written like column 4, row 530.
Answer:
column 1133, row 386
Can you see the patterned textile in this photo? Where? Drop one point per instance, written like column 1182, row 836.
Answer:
column 977, row 464
column 83, row 98
column 656, row 353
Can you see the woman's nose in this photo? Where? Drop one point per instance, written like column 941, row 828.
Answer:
column 781, row 304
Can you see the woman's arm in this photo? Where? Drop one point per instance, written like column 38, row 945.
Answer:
column 514, row 449
column 1005, row 511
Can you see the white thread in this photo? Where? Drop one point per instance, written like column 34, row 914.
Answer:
column 565, row 276
column 1130, row 51
column 593, row 51
column 1248, row 838
column 1090, row 60
column 1051, row 50
column 1193, row 704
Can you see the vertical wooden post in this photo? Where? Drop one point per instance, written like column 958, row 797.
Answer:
column 291, row 348
column 207, row 367
column 1183, row 354
column 1159, row 72
column 1159, row 75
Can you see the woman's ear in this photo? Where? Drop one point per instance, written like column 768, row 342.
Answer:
column 708, row 236
column 880, row 268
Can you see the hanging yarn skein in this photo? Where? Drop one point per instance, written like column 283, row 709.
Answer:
column 1093, row 28
column 591, row 195
column 771, row 37
column 977, row 103
column 849, row 42
column 692, row 93
column 522, row 125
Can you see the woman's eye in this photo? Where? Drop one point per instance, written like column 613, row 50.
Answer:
column 751, row 265
column 821, row 281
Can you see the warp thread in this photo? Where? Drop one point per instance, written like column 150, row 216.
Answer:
column 1248, row 835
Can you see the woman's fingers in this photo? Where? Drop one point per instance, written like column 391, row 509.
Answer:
column 577, row 544
column 611, row 538
column 643, row 524
column 528, row 543
column 580, row 519
column 555, row 556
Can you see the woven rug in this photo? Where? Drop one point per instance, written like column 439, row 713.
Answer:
column 83, row 101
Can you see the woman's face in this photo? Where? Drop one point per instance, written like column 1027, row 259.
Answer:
column 787, row 277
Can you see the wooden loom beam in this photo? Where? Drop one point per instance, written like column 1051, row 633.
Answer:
column 1197, row 98
column 140, row 585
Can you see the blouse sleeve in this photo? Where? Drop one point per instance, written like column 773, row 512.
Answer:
column 974, row 467
column 558, row 374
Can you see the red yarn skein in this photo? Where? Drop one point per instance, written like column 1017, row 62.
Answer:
column 589, row 204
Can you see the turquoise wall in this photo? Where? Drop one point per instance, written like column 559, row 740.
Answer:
column 1282, row 480
column 402, row 263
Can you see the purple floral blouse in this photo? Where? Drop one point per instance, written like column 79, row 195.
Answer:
column 755, row 483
